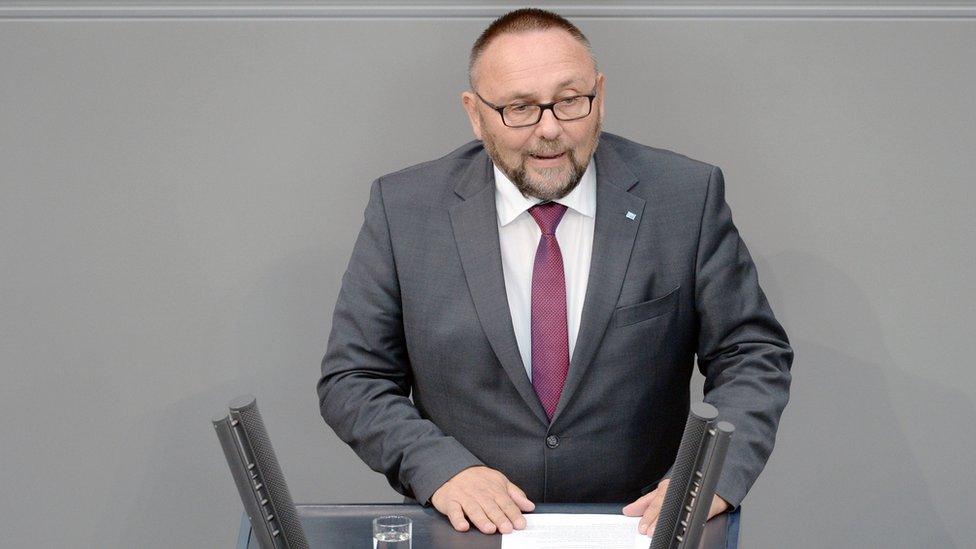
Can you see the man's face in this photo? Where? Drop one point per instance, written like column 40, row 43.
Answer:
column 548, row 159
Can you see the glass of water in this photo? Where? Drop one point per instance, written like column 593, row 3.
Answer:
column 392, row 532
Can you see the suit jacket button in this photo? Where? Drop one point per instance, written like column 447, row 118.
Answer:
column 552, row 441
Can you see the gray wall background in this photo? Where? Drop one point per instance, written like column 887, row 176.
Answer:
column 179, row 197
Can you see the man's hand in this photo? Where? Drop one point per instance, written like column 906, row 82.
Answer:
column 649, row 505
column 486, row 497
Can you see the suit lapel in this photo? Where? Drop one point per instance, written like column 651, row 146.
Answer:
column 613, row 240
column 475, row 224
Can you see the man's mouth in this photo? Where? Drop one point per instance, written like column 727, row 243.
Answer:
column 548, row 156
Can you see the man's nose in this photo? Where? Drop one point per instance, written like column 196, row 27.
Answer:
column 548, row 127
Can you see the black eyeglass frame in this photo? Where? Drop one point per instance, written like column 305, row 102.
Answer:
column 543, row 107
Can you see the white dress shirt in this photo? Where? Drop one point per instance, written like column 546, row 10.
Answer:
column 519, row 235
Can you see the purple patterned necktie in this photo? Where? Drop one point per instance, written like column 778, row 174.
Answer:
column 550, row 329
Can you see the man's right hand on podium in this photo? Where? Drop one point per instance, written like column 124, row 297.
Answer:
column 486, row 497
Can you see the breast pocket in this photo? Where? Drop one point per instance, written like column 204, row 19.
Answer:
column 632, row 314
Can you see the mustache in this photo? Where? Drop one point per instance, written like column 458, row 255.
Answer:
column 549, row 149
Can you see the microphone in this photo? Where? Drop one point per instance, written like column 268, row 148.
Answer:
column 696, row 470
column 260, row 483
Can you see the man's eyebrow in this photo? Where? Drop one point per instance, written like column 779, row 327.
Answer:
column 531, row 96
column 568, row 83
column 519, row 95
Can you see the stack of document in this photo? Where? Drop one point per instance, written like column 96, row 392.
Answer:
column 562, row 531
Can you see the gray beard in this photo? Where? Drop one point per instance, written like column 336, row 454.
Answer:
column 517, row 175
column 528, row 190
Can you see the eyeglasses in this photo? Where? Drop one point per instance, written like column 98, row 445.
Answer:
column 520, row 115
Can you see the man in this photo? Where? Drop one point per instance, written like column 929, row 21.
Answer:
column 541, row 295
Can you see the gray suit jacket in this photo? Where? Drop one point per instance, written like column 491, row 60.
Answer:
column 423, row 313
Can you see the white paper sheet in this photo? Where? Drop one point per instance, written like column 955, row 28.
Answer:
column 563, row 531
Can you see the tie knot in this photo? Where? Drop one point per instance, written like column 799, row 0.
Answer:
column 547, row 215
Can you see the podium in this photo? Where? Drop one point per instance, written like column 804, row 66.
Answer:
column 342, row 526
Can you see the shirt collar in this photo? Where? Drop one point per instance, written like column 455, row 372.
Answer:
column 510, row 203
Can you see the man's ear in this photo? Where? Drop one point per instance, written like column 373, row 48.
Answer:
column 470, row 103
column 600, row 92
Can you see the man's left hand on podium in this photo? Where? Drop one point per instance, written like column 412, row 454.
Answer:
column 649, row 505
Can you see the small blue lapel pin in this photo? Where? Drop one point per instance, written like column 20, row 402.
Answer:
column 631, row 216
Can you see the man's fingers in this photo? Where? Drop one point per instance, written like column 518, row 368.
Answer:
column 638, row 506
column 520, row 499
column 456, row 515
column 485, row 498
column 477, row 516
column 497, row 516
column 511, row 511
column 649, row 519
column 719, row 505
